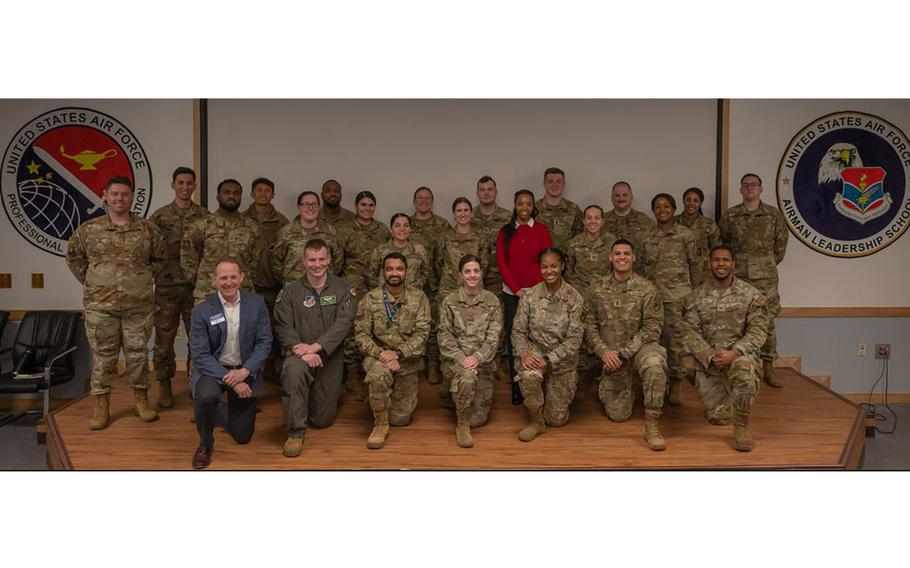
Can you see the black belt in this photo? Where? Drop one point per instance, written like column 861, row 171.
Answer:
column 233, row 367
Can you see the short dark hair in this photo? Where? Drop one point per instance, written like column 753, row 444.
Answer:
column 399, row 214
column 554, row 170
column 722, row 247
column 466, row 259
column 118, row 179
column 395, row 255
column 224, row 182
column 183, row 170
column 365, row 194
column 263, row 180
column 485, row 179
column 462, row 200
column 756, row 176
column 308, row 192
column 559, row 254
column 229, row 258
column 598, row 207
column 328, row 181
column 667, row 196
column 317, row 244
column 421, row 188
column 622, row 242
column 696, row 191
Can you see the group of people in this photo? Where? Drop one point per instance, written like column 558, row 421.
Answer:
column 545, row 295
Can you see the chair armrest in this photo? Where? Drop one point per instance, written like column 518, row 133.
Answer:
column 53, row 359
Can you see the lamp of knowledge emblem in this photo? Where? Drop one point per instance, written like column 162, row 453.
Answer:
column 55, row 168
column 842, row 184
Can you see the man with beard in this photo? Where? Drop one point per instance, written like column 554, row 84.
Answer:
column 332, row 211
column 626, row 222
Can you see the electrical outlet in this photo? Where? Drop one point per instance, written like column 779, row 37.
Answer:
column 861, row 350
column 882, row 350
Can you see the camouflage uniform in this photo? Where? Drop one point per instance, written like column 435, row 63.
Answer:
column 549, row 325
column 117, row 265
column 427, row 232
column 334, row 219
column 626, row 316
column 395, row 393
column 449, row 249
column 707, row 236
column 564, row 220
column 470, row 325
column 633, row 227
column 489, row 226
column 733, row 318
column 588, row 260
column 358, row 242
column 208, row 239
column 286, row 254
column 759, row 240
column 418, row 264
column 173, row 292
column 669, row 258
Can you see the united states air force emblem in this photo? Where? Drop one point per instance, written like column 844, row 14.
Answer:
column 55, row 168
column 842, row 184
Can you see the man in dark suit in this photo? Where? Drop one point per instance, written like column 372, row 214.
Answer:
column 230, row 337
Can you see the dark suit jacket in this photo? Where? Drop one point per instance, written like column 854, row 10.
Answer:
column 207, row 339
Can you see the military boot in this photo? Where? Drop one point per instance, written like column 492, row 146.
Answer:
column 434, row 377
column 463, row 430
column 652, row 433
column 380, row 430
column 674, row 392
column 535, row 428
column 770, row 376
column 141, row 401
column 743, row 438
column 102, row 416
column 165, row 396
column 292, row 447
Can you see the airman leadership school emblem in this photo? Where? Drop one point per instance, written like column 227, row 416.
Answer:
column 842, row 184
column 55, row 168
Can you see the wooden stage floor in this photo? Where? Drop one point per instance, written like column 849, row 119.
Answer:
column 802, row 426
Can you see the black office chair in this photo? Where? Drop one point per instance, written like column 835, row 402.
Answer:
column 41, row 356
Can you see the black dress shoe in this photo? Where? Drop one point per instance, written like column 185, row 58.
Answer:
column 202, row 458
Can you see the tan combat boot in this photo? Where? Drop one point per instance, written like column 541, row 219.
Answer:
column 463, row 431
column 292, row 447
column 535, row 428
column 652, row 433
column 102, row 416
column 165, row 396
column 141, row 401
column 674, row 392
column 770, row 376
column 743, row 438
column 380, row 430
column 434, row 377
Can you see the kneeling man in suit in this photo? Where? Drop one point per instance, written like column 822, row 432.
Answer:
column 230, row 337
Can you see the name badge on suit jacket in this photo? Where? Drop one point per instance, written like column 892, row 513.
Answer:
column 216, row 319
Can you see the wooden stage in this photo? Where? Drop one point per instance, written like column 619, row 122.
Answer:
column 802, row 426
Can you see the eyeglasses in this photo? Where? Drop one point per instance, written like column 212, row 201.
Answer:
column 751, row 184
column 308, row 205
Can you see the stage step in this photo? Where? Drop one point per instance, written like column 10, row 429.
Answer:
column 824, row 380
column 794, row 362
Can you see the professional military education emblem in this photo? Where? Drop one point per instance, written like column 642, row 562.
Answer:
column 842, row 184
column 55, row 168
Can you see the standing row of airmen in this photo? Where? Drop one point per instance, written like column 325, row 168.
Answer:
column 117, row 257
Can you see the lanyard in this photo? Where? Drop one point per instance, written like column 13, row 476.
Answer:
column 390, row 310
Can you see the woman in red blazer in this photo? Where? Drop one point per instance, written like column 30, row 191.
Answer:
column 517, row 247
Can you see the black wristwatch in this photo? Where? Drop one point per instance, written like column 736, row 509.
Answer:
column 399, row 354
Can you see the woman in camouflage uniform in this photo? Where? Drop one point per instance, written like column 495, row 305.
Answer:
column 707, row 235
column 464, row 238
column 418, row 256
column 470, row 321
column 587, row 253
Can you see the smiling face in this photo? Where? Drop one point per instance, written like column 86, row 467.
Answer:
column 691, row 203
column 366, row 207
column 663, row 210
column 228, row 279
column 423, row 201
column 184, row 186
column 551, row 268
column 262, row 194
column 400, row 229
column 463, row 213
column 331, row 193
column 308, row 208
column 554, row 184
column 524, row 206
column 594, row 220
column 394, row 272
column 316, row 262
column 722, row 264
column 621, row 196
column 119, row 198
column 472, row 275
column 622, row 258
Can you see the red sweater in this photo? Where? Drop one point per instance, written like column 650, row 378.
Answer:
column 522, row 270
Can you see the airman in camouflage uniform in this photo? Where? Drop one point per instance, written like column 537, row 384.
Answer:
column 469, row 326
column 270, row 222
column 418, row 264
column 623, row 322
column 757, row 235
column 116, row 258
column 626, row 222
column 225, row 232
column 725, row 324
column 707, row 235
column 332, row 212
column 548, row 326
column 588, row 259
column 286, row 256
column 670, row 257
column 173, row 292
column 358, row 240
column 392, row 333
column 560, row 215
column 450, row 247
